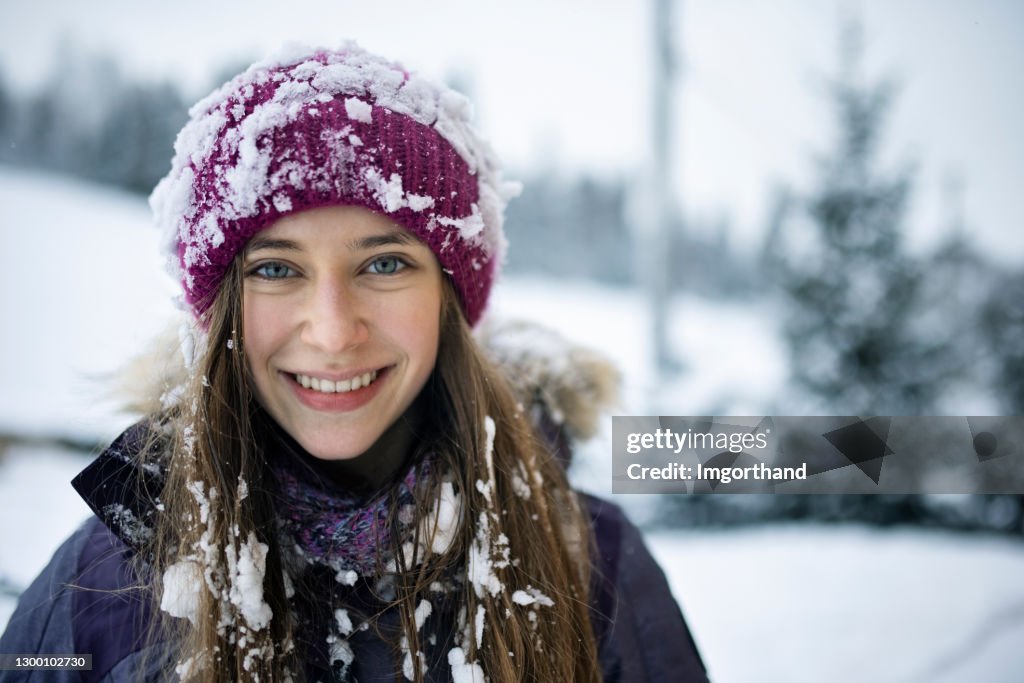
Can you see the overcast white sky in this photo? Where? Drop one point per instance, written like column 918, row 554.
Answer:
column 566, row 83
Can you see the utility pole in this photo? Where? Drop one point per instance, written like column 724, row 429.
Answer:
column 656, row 245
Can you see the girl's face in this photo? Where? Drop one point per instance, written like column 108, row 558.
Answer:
column 342, row 315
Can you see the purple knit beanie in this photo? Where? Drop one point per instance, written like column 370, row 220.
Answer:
column 315, row 127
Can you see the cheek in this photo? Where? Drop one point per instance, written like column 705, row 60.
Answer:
column 264, row 328
column 417, row 328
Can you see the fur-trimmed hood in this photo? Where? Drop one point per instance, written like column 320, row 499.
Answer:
column 570, row 384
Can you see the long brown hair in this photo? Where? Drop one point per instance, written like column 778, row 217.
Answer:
column 518, row 517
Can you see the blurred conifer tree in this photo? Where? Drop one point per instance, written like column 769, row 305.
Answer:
column 853, row 322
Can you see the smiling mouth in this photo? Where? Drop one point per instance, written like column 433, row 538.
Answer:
column 326, row 386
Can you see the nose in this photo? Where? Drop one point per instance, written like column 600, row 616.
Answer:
column 334, row 318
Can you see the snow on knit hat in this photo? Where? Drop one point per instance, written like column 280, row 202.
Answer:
column 313, row 127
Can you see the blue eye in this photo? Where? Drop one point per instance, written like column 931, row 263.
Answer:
column 274, row 270
column 386, row 265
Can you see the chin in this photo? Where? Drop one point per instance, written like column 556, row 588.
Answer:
column 340, row 448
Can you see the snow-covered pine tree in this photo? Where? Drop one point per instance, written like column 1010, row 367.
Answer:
column 851, row 288
column 1002, row 321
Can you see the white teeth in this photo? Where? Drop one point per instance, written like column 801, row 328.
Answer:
column 326, row 386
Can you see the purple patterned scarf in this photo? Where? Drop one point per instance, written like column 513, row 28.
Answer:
column 335, row 527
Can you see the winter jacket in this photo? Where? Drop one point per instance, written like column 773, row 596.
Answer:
column 84, row 602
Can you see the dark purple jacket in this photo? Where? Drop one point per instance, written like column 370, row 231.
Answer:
column 83, row 602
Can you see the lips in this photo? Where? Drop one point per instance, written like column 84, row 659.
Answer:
column 328, row 395
column 327, row 386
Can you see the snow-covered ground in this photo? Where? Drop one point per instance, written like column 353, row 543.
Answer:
column 822, row 603
column 83, row 290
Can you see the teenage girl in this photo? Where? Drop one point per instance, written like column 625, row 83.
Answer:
column 345, row 484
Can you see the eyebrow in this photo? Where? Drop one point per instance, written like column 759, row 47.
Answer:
column 399, row 237
column 258, row 242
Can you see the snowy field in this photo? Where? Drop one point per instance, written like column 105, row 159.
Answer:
column 84, row 290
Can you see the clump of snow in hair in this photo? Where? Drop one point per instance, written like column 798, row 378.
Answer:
column 463, row 671
column 313, row 127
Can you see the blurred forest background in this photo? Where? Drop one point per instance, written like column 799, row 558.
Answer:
column 871, row 326
column 833, row 229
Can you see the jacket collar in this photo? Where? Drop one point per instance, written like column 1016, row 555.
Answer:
column 122, row 492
